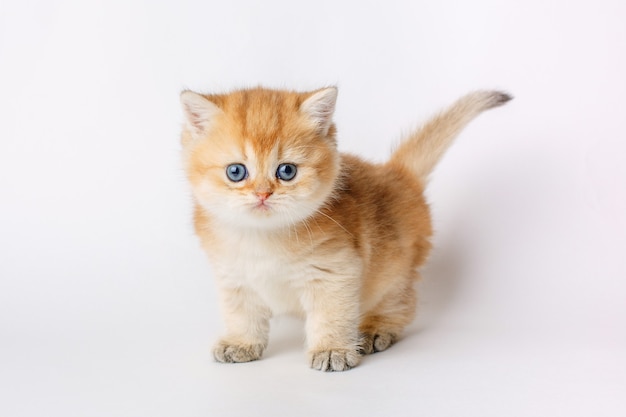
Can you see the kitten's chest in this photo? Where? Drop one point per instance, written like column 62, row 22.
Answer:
column 275, row 270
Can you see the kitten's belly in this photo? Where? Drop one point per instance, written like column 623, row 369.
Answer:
column 276, row 277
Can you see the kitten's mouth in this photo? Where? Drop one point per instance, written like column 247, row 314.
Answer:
column 262, row 206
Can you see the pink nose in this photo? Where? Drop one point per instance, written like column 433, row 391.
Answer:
column 263, row 196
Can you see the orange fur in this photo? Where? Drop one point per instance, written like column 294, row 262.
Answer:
column 339, row 244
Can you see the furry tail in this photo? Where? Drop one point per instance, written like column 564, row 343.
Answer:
column 421, row 151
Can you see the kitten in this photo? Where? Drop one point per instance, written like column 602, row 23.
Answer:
column 293, row 226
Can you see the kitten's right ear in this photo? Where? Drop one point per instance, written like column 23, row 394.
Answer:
column 199, row 111
column 319, row 107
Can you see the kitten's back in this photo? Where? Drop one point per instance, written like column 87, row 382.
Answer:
column 383, row 207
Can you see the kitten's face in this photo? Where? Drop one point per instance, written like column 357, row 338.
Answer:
column 259, row 158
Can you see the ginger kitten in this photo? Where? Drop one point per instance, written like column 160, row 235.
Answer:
column 293, row 226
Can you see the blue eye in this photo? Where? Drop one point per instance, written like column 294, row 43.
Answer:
column 286, row 172
column 236, row 172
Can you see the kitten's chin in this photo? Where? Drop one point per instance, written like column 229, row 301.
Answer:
column 264, row 218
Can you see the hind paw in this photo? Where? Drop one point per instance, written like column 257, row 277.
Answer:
column 376, row 342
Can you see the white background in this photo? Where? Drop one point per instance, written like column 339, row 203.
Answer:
column 107, row 306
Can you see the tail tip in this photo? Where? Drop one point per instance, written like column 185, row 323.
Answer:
column 498, row 98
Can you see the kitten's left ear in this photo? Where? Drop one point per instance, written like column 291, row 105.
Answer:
column 199, row 112
column 320, row 107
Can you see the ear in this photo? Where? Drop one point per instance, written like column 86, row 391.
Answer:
column 320, row 108
column 199, row 112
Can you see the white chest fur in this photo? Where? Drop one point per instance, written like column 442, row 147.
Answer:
column 276, row 272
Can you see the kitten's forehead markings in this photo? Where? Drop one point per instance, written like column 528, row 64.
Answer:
column 274, row 152
column 272, row 160
column 258, row 162
column 250, row 159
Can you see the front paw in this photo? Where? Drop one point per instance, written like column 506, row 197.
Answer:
column 229, row 352
column 334, row 359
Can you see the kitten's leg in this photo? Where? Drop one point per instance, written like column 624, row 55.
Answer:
column 381, row 327
column 332, row 308
column 247, row 325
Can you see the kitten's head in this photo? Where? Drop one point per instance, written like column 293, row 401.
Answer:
column 260, row 158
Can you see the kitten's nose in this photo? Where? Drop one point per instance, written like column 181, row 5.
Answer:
column 264, row 195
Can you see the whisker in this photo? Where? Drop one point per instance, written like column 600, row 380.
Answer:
column 291, row 222
column 335, row 221
column 308, row 229
column 318, row 225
